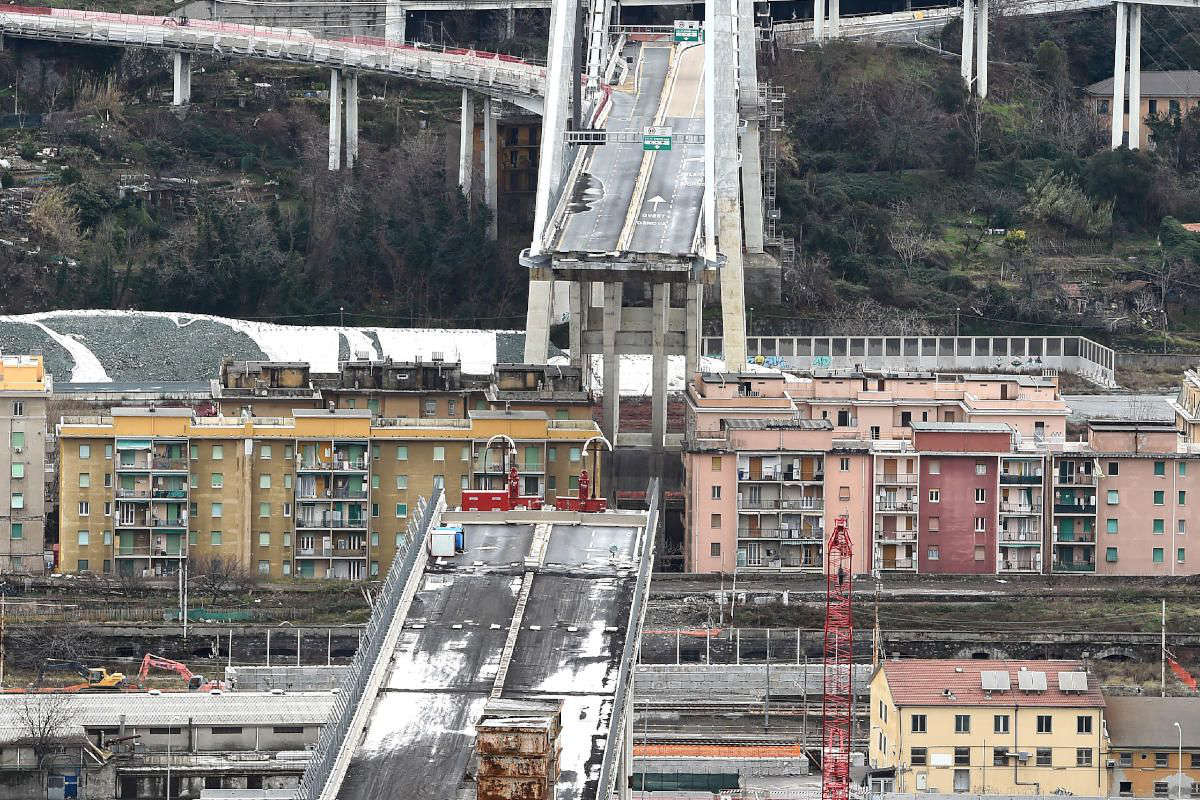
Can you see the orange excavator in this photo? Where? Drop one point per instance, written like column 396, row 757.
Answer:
column 194, row 682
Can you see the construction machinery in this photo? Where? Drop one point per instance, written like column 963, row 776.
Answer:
column 97, row 679
column 194, row 682
column 838, row 665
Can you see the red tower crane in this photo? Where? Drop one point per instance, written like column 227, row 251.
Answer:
column 839, row 648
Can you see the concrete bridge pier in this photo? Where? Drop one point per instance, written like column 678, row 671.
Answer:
column 974, row 50
column 183, row 80
column 395, row 22
column 343, row 114
column 835, row 18
column 1127, row 100
column 491, row 195
column 819, row 21
column 466, row 141
column 613, row 298
column 752, row 187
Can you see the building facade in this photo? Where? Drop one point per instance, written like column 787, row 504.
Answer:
column 1147, row 746
column 25, row 391
column 989, row 727
column 320, row 493
column 1165, row 94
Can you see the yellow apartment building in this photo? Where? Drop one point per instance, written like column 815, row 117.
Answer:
column 989, row 727
column 321, row 493
column 1147, row 746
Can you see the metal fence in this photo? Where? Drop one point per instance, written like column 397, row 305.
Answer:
column 334, row 733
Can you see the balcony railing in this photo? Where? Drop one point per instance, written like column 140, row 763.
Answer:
column 1075, row 566
column 801, row 534
column 350, row 552
column 336, row 494
column 900, row 478
column 151, row 552
column 496, row 467
column 785, row 504
column 331, row 521
column 790, row 476
column 1019, row 538
column 132, row 494
column 895, row 505
column 1015, row 478
column 801, row 563
column 897, row 563
column 1020, row 508
column 1076, row 479
column 895, row 536
column 1088, row 539
column 1019, row 566
column 1074, row 508
column 137, row 465
column 170, row 464
column 133, row 522
column 317, row 552
column 170, row 494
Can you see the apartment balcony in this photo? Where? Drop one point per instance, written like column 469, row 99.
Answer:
column 314, row 465
column 1033, row 566
column 882, row 535
column 312, row 496
column 136, row 521
column 1013, row 478
column 789, row 534
column 1077, row 479
column 314, row 552
column 132, row 494
column 801, row 564
column 1085, row 539
column 136, row 465
column 896, row 478
column 776, row 504
column 906, row 564
column 151, row 552
column 498, row 468
column 1075, row 509
column 162, row 464
column 1026, row 509
column 169, row 494
column 895, row 506
column 331, row 521
column 1020, row 539
column 346, row 464
column 803, row 477
column 1074, row 566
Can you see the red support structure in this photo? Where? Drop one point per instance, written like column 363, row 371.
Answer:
column 838, row 663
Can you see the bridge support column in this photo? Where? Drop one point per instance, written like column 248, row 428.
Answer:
column 183, row 79
column 395, row 22
column 351, row 99
column 974, row 53
column 692, row 330
column 660, row 311
column 510, row 23
column 752, row 190
column 1119, row 64
column 967, row 51
column 981, row 48
column 335, row 120
column 466, row 141
column 835, row 18
column 1127, row 106
column 491, row 193
column 818, row 21
column 613, row 295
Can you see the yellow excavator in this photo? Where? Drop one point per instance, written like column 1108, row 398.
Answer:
column 98, row 679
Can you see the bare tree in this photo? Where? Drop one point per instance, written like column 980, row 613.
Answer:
column 44, row 719
column 909, row 243
column 216, row 576
column 31, row 644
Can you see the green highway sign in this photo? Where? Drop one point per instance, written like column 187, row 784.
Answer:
column 687, row 30
column 656, row 139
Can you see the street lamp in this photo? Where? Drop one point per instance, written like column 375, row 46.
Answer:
column 1179, row 764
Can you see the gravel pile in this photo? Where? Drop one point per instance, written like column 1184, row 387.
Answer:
column 21, row 338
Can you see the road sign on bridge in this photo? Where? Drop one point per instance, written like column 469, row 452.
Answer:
column 688, row 30
column 656, row 139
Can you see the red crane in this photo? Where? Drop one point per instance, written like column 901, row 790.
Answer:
column 839, row 647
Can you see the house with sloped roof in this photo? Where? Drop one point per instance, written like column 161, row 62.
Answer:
column 1164, row 93
column 988, row 727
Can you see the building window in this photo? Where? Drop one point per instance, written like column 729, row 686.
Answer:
column 935, row 466
column 714, row 521
column 375, row 481
column 401, row 510
column 1157, row 555
column 81, row 565
column 287, row 509
column 1152, row 106
column 218, row 452
column 843, row 493
column 714, row 549
column 402, row 453
column 1000, row 723
column 934, row 553
column 919, row 757
column 217, row 509
column 1044, row 723
column 401, row 482
column 107, row 508
column 935, row 495
column 1110, row 555
column 1182, row 497
column 981, row 468
column 264, row 539
column 716, row 463
column 1159, row 497
column 1083, row 724
column 933, row 524
column 716, row 492
column 1044, row 757
column 1160, row 759
column 17, row 532
column 108, row 480
column 1125, row 759
column 214, row 538
column 85, row 451
column 439, row 453
column 980, row 554
column 1160, row 788
column 962, row 723
column 85, row 480
column 287, row 568
column 439, row 481
column 962, row 756
column 264, row 481
column 920, row 723
column 218, row 480
column 1180, row 555
column 874, row 431
column 981, row 495
column 980, row 525
column 1083, row 756
column 464, row 454
column 265, row 452
column 1160, row 468
column 18, row 469
column 1158, row 526
column 1195, row 758
column 1114, row 497
column 882, row 711
column 844, row 464
column 374, row 509
column 1113, row 468
column 18, row 408
column 85, row 508
column 574, row 454
column 374, row 568
column 374, row 538
column 16, row 439
column 264, row 509
column 999, row 756
column 264, row 567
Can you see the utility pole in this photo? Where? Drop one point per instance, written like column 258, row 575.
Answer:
column 3, row 617
column 956, row 310
column 876, row 636
column 342, row 316
column 767, row 704
column 1162, row 654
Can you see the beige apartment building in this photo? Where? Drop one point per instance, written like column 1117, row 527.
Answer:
column 322, row 493
column 989, row 727
column 25, row 391
column 1164, row 93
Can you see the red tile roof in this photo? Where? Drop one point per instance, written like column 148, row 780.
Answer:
column 920, row 682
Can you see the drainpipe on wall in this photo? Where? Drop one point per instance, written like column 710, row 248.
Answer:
column 1017, row 761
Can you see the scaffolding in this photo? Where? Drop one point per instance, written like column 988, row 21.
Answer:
column 770, row 100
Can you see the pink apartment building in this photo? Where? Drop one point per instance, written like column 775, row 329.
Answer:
column 938, row 474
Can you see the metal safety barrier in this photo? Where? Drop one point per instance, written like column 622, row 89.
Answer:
column 333, row 736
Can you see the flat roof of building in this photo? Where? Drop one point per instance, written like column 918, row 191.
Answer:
column 962, row 427
column 1148, row 721
column 1125, row 407
column 779, row 424
column 457, row 648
